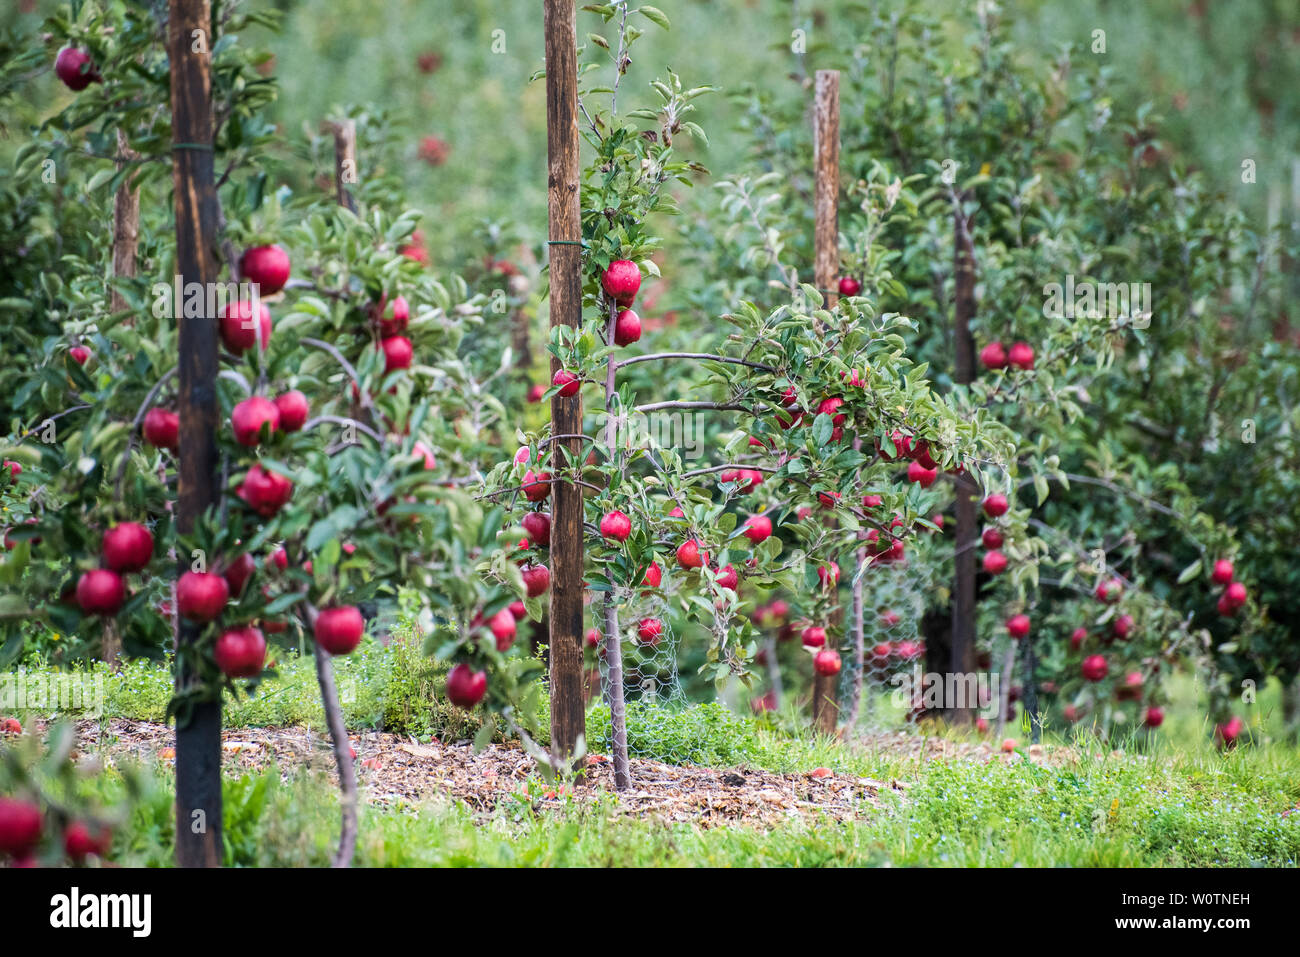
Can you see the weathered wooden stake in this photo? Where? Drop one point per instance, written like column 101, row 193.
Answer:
column 568, row 712
column 826, row 264
column 198, row 740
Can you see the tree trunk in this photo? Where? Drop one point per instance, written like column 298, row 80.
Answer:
column 568, row 711
column 198, row 736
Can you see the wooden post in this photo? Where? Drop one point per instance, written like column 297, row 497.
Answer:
column 568, row 712
column 198, row 740
column 826, row 131
column 962, row 657
column 345, row 161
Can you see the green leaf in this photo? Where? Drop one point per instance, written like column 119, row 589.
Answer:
column 654, row 15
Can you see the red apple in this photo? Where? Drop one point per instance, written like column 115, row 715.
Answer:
column 919, row 474
column 592, row 638
column 827, row 662
column 649, row 630
column 536, row 392
column 1009, row 746
column 79, row 354
column 1222, row 574
column 993, row 356
column 1229, row 732
column 465, row 688
column 162, row 428
column 1018, row 626
column 1235, row 595
column 127, row 547
column 621, row 280
column 293, row 410
column 80, row 841
column 74, row 68
column 758, row 528
column 828, row 575
column 248, row 417
column 1122, row 627
column 241, row 652
column 238, row 572
column 537, row 578
column 688, row 554
column 200, row 596
column 728, row 578
column 995, row 563
column 11, row 726
column 871, row 501
column 1094, row 667
column 849, row 286
column 1077, row 638
column 537, row 526
column 1155, row 717
column 568, row 383
column 995, row 505
column 20, row 826
column 536, row 485
column 992, row 538
column 813, row 637
column 503, row 628
column 398, row 353
column 518, row 610
column 1110, row 591
column 615, row 525
column 338, row 630
column 627, row 328
column 100, row 592
column 268, row 266
column 392, row 318
column 654, row 576
column 239, row 330
column 1021, row 356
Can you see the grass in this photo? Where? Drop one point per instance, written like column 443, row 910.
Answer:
column 1170, row 800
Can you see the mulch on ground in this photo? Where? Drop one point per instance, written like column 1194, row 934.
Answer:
column 395, row 770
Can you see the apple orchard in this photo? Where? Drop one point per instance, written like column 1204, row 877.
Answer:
column 908, row 465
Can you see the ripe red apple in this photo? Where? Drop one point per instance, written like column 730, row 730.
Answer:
column 649, row 630
column 982, row 725
column 79, row 354
column 728, row 577
column 20, row 826
column 465, row 688
column 688, row 554
column 995, row 563
column 871, row 501
column 1009, row 746
column 537, row 526
column 827, row 662
column 503, row 628
column 621, row 280
column 1123, row 627
column 1235, row 595
column 239, row 330
column 654, row 576
column 162, row 428
column 992, row 538
column 13, row 468
column 1077, row 638
column 813, row 637
column 1094, row 667
column 1230, row 731
column 889, row 618
column 537, row 578
column 995, row 505
column 518, row 610
column 398, row 353
column 293, row 410
column 268, row 266
column 592, row 638
column 1130, row 689
column 616, row 525
column 828, row 575
column 830, row 407
column 74, row 68
column 248, row 417
column 127, row 547
column 537, row 485
column 1155, row 717
column 100, row 592
column 627, row 328
column 241, row 652
column 1222, row 574
column 200, row 596
column 264, row 491
column 1021, row 356
column 993, row 356
column 80, row 841
column 920, row 475
column 758, row 528
column 238, row 572
column 568, row 383
column 280, row 558
column 338, row 630
column 11, row 726
column 828, row 499
column 1018, row 626
column 849, row 286
column 535, row 393
column 1110, row 591
column 392, row 318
